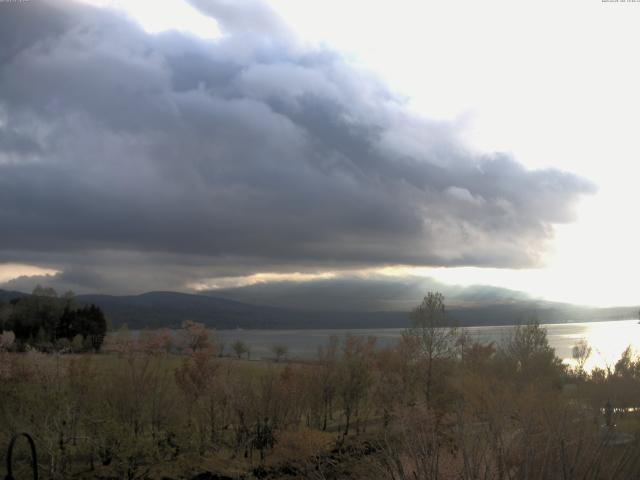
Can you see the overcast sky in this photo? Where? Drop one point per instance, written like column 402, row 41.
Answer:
column 218, row 143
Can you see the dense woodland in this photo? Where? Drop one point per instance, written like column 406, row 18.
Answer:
column 48, row 322
column 437, row 405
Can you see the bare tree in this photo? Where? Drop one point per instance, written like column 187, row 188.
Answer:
column 355, row 376
column 240, row 348
column 279, row 351
column 327, row 376
column 435, row 337
column 581, row 352
column 529, row 352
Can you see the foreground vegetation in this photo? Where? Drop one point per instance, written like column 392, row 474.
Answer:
column 435, row 406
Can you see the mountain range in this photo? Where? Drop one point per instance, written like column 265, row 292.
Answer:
column 170, row 309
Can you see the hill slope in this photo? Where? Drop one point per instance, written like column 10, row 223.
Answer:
column 170, row 309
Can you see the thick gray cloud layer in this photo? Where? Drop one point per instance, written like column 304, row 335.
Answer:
column 252, row 152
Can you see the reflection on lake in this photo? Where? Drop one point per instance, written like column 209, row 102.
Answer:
column 607, row 339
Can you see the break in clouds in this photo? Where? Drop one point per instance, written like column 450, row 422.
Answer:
column 132, row 161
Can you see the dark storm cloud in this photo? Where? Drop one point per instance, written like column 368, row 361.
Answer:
column 248, row 153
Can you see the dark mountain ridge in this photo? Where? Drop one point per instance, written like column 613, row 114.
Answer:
column 170, row 309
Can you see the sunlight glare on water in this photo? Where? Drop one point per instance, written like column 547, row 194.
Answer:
column 607, row 339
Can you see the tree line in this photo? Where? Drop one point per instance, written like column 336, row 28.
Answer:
column 49, row 322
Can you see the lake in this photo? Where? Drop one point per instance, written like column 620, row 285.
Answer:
column 607, row 339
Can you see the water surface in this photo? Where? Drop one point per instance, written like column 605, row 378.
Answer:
column 607, row 339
